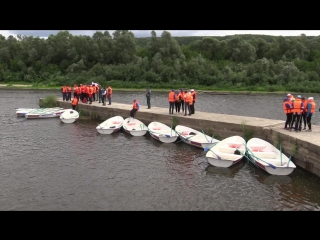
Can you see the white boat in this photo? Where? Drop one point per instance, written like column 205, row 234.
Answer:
column 21, row 112
column 69, row 116
column 194, row 137
column 162, row 132
column 269, row 158
column 44, row 113
column 110, row 125
column 226, row 152
column 134, row 127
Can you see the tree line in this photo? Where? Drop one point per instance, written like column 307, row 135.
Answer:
column 236, row 63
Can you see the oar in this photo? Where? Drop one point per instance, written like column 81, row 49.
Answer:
column 280, row 156
column 274, row 167
column 206, row 149
column 205, row 135
column 289, row 161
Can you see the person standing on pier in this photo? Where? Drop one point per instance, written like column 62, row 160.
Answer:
column 297, row 113
column 171, row 101
column 311, row 106
column 148, row 96
column 194, row 97
column 109, row 94
column 74, row 102
column 287, row 106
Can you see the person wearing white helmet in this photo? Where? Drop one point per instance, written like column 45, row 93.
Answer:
column 311, row 106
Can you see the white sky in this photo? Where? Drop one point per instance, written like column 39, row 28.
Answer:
column 174, row 33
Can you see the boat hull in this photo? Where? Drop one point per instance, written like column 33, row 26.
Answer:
column 69, row 116
column 134, row 127
column 111, row 125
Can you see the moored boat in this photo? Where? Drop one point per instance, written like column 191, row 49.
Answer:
column 227, row 152
column 44, row 113
column 162, row 132
column 194, row 137
column 110, row 125
column 134, row 127
column 269, row 158
column 69, row 116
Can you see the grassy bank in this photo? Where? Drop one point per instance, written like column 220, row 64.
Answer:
column 198, row 90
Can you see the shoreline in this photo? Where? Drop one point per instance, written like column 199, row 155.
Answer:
column 213, row 92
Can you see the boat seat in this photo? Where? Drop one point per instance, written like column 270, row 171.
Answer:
column 262, row 155
column 228, row 150
column 226, row 156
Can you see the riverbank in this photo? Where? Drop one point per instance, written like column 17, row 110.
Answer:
column 213, row 92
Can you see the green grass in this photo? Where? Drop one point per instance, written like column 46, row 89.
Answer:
column 49, row 102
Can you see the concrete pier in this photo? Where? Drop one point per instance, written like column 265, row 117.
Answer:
column 303, row 147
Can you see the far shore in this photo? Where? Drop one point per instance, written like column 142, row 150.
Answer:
column 25, row 86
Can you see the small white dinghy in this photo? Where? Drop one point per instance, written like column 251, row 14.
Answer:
column 162, row 132
column 134, row 127
column 21, row 112
column 44, row 113
column 110, row 125
column 195, row 138
column 269, row 158
column 69, row 116
column 225, row 153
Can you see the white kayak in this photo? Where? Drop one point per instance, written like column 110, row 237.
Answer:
column 110, row 125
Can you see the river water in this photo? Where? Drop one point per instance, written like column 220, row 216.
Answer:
column 48, row 165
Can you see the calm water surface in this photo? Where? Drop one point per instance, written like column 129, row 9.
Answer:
column 48, row 165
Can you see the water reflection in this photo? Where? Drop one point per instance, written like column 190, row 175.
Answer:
column 225, row 172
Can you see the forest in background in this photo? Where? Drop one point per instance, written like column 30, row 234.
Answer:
column 233, row 63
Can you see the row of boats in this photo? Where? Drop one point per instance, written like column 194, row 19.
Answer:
column 224, row 153
column 66, row 115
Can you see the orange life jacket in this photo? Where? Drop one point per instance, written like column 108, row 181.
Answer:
column 297, row 106
column 69, row 89
column 313, row 105
column 75, row 101
column 109, row 91
column 64, row 89
column 135, row 105
column 171, row 97
column 285, row 109
column 189, row 98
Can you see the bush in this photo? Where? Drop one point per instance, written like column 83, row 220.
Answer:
column 49, row 102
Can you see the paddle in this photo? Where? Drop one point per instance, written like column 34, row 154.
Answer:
column 289, row 161
column 206, row 149
column 252, row 154
column 280, row 156
column 205, row 136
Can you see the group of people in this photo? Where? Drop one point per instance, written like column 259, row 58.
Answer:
column 182, row 100
column 87, row 93
column 298, row 111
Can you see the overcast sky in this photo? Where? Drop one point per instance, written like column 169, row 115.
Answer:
column 174, row 33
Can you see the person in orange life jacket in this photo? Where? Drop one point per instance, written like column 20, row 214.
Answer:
column 94, row 90
column 171, row 100
column 182, row 99
column 287, row 106
column 135, row 108
column 74, row 102
column 90, row 93
column 69, row 90
column 64, row 92
column 109, row 94
column 304, row 114
column 297, row 110
column 311, row 106
column 194, row 97
column 187, row 102
column 177, row 102
column 75, row 90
